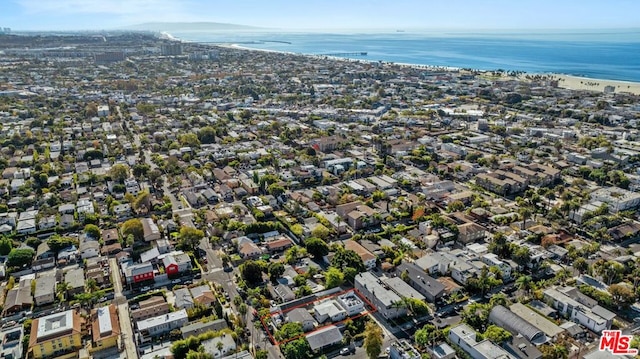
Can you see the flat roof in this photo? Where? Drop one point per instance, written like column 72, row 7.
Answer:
column 104, row 321
column 55, row 324
column 164, row 318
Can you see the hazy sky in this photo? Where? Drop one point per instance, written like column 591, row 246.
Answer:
column 325, row 14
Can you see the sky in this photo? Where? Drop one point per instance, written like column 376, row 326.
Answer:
column 324, row 14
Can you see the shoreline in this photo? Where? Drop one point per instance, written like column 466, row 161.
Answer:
column 565, row 81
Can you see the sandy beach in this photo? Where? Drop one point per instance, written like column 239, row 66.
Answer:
column 564, row 81
column 583, row 83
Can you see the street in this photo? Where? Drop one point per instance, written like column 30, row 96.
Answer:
column 185, row 214
column 123, row 311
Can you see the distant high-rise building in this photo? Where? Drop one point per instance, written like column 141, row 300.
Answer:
column 204, row 55
column 171, row 49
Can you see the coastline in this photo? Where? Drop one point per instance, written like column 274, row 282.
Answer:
column 598, row 85
column 570, row 82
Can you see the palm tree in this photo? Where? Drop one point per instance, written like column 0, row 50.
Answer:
column 525, row 213
column 62, row 289
column 219, row 346
column 499, row 299
column 525, row 283
column 92, row 285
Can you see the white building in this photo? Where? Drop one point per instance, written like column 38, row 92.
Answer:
column 580, row 308
column 616, row 198
column 465, row 337
column 161, row 324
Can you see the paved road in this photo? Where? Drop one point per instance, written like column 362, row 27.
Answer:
column 185, row 214
column 123, row 312
column 215, row 273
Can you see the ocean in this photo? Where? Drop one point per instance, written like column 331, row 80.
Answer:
column 610, row 55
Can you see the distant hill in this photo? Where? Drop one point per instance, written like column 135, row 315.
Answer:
column 189, row 26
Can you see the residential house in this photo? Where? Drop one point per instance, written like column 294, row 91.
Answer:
column 122, row 211
column 202, row 295
column 247, row 249
column 302, row 316
column 183, row 298
column 279, row 244
column 579, row 308
column 155, row 326
column 67, row 220
column 150, row 229
column 56, row 335
column 329, row 310
column 19, row 297
column 149, row 308
column 89, row 248
column 110, row 236
column 521, row 348
column 357, row 215
column 283, row 292
column 45, row 258
column 195, row 329
column 75, row 282
column 105, row 328
column 47, row 222
column 212, row 346
column 175, row 264
column 137, row 273
column 464, row 337
column 368, row 258
column 323, row 338
column 422, row 282
column 492, row 260
column 45, row 292
column 382, row 298
column 470, row 232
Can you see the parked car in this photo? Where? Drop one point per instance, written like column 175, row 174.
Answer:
column 176, row 281
column 344, row 351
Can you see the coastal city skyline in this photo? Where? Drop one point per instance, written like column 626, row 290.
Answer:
column 187, row 193
column 41, row 15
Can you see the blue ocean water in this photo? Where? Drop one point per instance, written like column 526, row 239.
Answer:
column 609, row 55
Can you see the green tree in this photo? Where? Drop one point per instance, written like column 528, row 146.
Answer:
column 347, row 258
column 476, row 315
column 275, row 270
column 316, row 247
column 525, row 284
column 19, row 257
column 92, row 231
column 321, row 232
column 190, row 238
column 133, row 227
column 497, row 334
column 296, row 349
column 333, row 277
column 251, row 271
column 580, row 264
column 6, row 245
column 621, row 294
column 119, row 172
column 189, row 139
column 57, row 243
column 207, row 134
column 372, row 340
column 275, row 189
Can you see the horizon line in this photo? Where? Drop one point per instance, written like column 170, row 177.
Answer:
column 250, row 28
